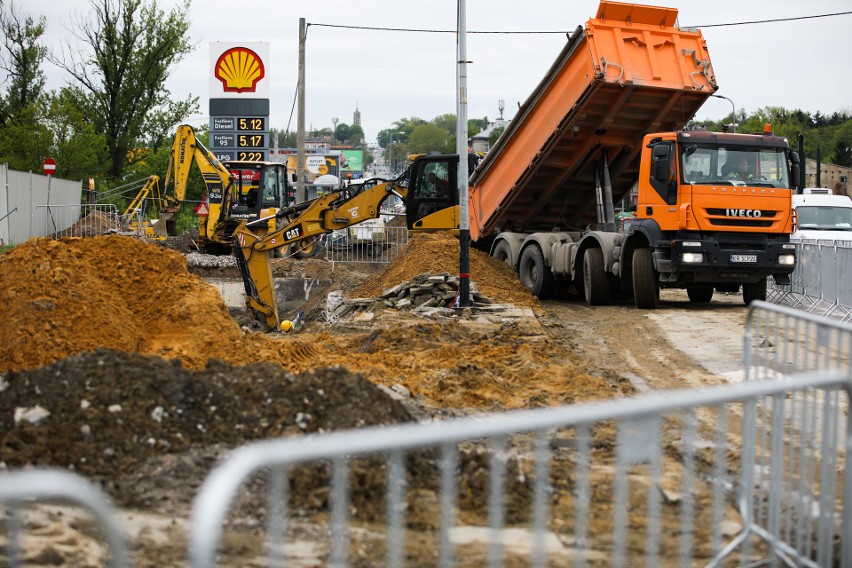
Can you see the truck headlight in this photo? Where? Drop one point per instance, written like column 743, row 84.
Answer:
column 692, row 257
column 787, row 259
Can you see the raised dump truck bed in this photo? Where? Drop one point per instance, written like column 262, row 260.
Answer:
column 627, row 73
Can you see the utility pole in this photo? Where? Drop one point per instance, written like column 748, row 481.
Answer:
column 301, row 191
column 461, row 148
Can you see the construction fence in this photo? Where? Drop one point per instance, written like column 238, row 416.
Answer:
column 26, row 200
column 745, row 473
column 821, row 282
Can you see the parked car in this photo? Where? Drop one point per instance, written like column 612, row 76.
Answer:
column 821, row 215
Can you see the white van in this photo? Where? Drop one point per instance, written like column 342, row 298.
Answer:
column 822, row 215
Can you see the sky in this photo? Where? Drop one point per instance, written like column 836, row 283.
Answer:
column 388, row 75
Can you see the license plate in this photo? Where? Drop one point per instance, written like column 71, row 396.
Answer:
column 743, row 258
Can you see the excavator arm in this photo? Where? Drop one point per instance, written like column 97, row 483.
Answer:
column 218, row 181
column 325, row 214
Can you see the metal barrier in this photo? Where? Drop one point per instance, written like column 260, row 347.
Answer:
column 20, row 488
column 85, row 220
column 821, row 282
column 741, row 472
column 366, row 242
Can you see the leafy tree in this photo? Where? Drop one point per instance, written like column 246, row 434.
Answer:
column 495, row 134
column 356, row 135
column 129, row 49
column 427, row 138
column 341, row 133
column 80, row 151
column 22, row 60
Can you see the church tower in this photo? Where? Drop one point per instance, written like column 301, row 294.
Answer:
column 356, row 117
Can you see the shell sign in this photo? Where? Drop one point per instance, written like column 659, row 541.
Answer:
column 239, row 70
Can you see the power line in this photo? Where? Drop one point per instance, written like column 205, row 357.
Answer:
column 774, row 20
column 509, row 32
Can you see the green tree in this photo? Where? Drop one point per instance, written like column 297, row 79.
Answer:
column 341, row 133
column 130, row 48
column 21, row 60
column 495, row 134
column 356, row 135
column 427, row 138
column 79, row 150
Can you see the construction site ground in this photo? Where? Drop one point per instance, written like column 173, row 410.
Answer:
column 122, row 365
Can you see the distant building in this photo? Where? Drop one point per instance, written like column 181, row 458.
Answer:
column 356, row 117
column 479, row 143
column 832, row 176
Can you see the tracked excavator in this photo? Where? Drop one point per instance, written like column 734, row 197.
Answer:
column 235, row 191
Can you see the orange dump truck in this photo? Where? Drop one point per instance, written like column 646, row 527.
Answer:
column 608, row 116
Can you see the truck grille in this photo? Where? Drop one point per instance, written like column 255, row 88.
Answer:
column 720, row 218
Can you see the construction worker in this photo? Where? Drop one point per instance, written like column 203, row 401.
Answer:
column 292, row 326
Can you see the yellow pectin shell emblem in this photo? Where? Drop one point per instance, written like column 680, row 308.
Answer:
column 239, row 69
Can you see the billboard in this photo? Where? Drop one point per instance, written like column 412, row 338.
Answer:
column 353, row 162
column 320, row 169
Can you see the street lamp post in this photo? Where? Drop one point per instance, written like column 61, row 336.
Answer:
column 733, row 111
column 390, row 152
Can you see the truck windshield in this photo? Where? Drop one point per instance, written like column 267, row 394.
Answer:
column 824, row 218
column 734, row 165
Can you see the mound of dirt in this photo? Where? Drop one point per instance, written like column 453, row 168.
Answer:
column 65, row 297
column 75, row 296
column 439, row 252
column 106, row 412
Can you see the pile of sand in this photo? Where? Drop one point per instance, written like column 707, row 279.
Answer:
column 439, row 252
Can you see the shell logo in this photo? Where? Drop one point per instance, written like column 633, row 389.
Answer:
column 239, row 69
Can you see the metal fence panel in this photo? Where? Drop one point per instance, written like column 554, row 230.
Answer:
column 21, row 193
column 372, row 242
column 19, row 489
column 739, row 473
column 58, row 221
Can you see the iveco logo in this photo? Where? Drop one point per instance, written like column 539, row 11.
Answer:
column 742, row 212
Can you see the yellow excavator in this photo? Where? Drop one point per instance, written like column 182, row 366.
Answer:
column 426, row 210
column 235, row 192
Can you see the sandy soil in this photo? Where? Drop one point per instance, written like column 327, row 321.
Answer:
column 149, row 382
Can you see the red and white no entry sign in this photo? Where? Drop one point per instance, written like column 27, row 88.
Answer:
column 49, row 166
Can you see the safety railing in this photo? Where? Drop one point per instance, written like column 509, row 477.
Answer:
column 20, row 490
column 372, row 241
column 743, row 472
column 84, row 220
column 821, row 282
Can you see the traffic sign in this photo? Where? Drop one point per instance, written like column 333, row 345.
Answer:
column 202, row 210
column 49, row 166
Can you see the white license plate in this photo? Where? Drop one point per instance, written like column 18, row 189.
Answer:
column 743, row 258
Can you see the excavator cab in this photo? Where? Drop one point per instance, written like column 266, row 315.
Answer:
column 260, row 189
column 433, row 192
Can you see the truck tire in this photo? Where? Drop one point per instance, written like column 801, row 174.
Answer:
column 646, row 292
column 756, row 291
column 699, row 294
column 503, row 252
column 595, row 282
column 535, row 274
column 308, row 248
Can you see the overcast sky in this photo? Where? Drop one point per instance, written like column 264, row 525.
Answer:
column 393, row 74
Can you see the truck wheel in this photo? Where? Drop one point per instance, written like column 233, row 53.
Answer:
column 595, row 282
column 534, row 273
column 503, row 253
column 699, row 294
column 646, row 292
column 756, row 291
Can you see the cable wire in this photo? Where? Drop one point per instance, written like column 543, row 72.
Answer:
column 509, row 32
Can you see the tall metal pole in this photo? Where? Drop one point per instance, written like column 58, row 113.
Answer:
column 803, row 165
column 301, row 191
column 461, row 148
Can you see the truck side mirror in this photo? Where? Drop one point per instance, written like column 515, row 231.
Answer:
column 661, row 163
column 795, row 171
